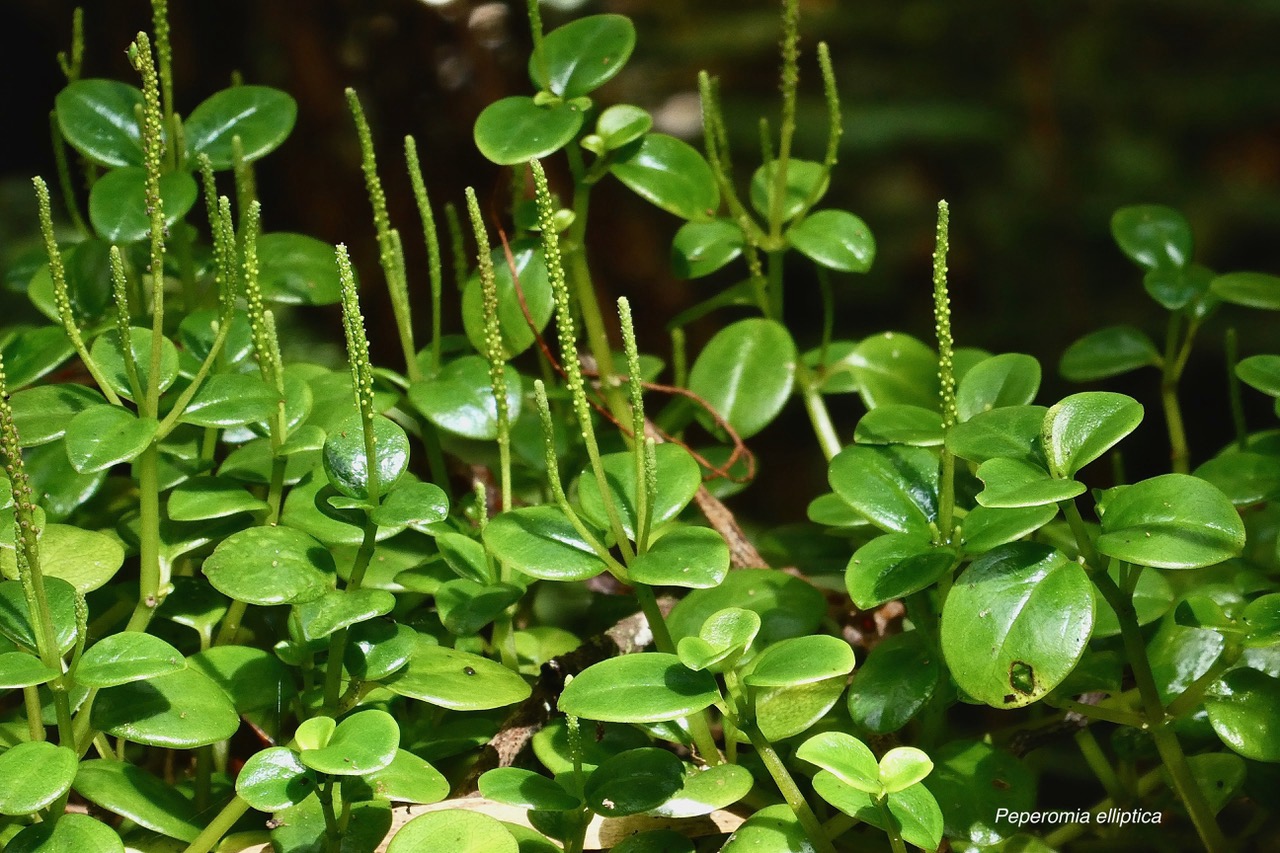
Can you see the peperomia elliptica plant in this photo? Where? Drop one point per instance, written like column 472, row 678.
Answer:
column 489, row 598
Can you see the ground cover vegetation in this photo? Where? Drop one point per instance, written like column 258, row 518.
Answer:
column 249, row 600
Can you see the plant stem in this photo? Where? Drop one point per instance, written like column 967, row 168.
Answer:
column 790, row 791
column 819, row 417
column 1097, row 761
column 891, row 828
column 218, row 827
column 150, row 573
column 338, row 640
column 1233, row 385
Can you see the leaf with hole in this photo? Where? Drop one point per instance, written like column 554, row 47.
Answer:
column 836, row 239
column 1173, row 521
column 1016, row 623
column 260, row 116
column 670, row 174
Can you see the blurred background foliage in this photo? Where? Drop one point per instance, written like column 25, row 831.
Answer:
column 1035, row 119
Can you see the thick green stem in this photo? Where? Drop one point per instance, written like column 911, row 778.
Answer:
column 790, row 791
column 816, row 407
column 338, row 640
column 150, row 575
column 218, row 827
column 891, row 828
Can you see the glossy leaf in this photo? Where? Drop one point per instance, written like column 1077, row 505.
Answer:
column 301, row 828
column 99, row 119
column 72, row 833
column 1011, row 432
column 109, row 355
column 516, row 130
column 457, row 680
column 1262, row 618
column 914, row 810
column 897, row 423
column 254, row 679
column 972, row 781
column 261, row 116
column 1152, row 235
column 1015, row 624
column 647, row 687
column 800, row 660
column 834, row 367
column 33, row 775
column 1257, row 371
column 86, row 559
column 806, row 182
column 620, row 124
column 526, row 789
column 20, row 669
column 1250, row 289
column 1084, row 426
column 1011, row 379
column 1175, row 287
column 896, row 680
column 528, row 289
column 583, row 54
column 722, row 640
column 342, row 608
column 1245, row 478
column 295, row 269
column 203, row 498
column 702, row 247
column 1012, row 483
column 894, row 566
column 835, row 239
column 231, row 399
column 902, row 767
column 104, row 436
column 634, row 781
column 122, row 658
column 1108, row 352
column 707, row 790
column 270, row 565
column 180, row 710
column 772, row 829
column 551, row 745
column 690, row 557
column 895, row 368
column 784, row 712
column 346, row 462
column 459, row 399
column 465, row 556
column 787, row 606
column 377, row 648
column 1243, row 707
column 678, row 480
column 455, row 830
column 131, row 792
column 408, row 779
column 466, row 606
column 41, row 414
column 118, row 203
column 275, row 779
column 669, row 173
column 413, row 503
column 362, row 743
column 1173, row 521
column 895, row 487
column 985, row 528
column 846, row 758
column 541, row 542
column 15, row 620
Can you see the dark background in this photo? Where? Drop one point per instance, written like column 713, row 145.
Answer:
column 1034, row 119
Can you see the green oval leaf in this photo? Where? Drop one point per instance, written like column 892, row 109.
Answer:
column 985, row 528
column 526, row 789
column 1174, row 521
column 787, row 606
column 295, row 269
column 517, row 330
column 15, row 622
column 362, row 743
column 772, row 829
column 41, row 414
column 72, row 832
column 342, row 608
column 582, row 55
column 671, row 174
column 1010, row 379
column 1243, row 708
column 1152, row 235
column 1015, row 624
column 634, row 781
column 1013, row 483
column 346, row 461
column 109, row 355
column 1175, row 288
column 896, row 680
column 723, row 638
column 121, row 658
column 118, row 203
column 261, row 116
column 203, row 498
column 457, row 680
column 678, row 480
column 460, row 400
column 806, row 183
column 1244, row 477
column 800, row 660
column 408, row 779
column 895, row 368
column 454, row 830
column 275, row 779
column 1250, row 289
column 690, row 557
column 1258, row 371
column 648, row 687
column 845, row 757
column 179, row 710
column 1108, row 352
column 99, row 119
column 894, row 566
column 902, row 767
column 972, row 781
column 231, row 399
column 20, row 669
column 836, row 239
column 270, row 565
column 104, row 436
column 914, row 810
column 86, row 559
column 516, row 130
column 541, row 542
column 895, row 487
column 897, row 423
column 32, row 353
column 745, row 373
column 706, row 790
column 133, row 793
column 1084, row 426
column 621, row 124
column 1011, row 432
column 33, row 775
column 410, row 504
column 701, row 248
